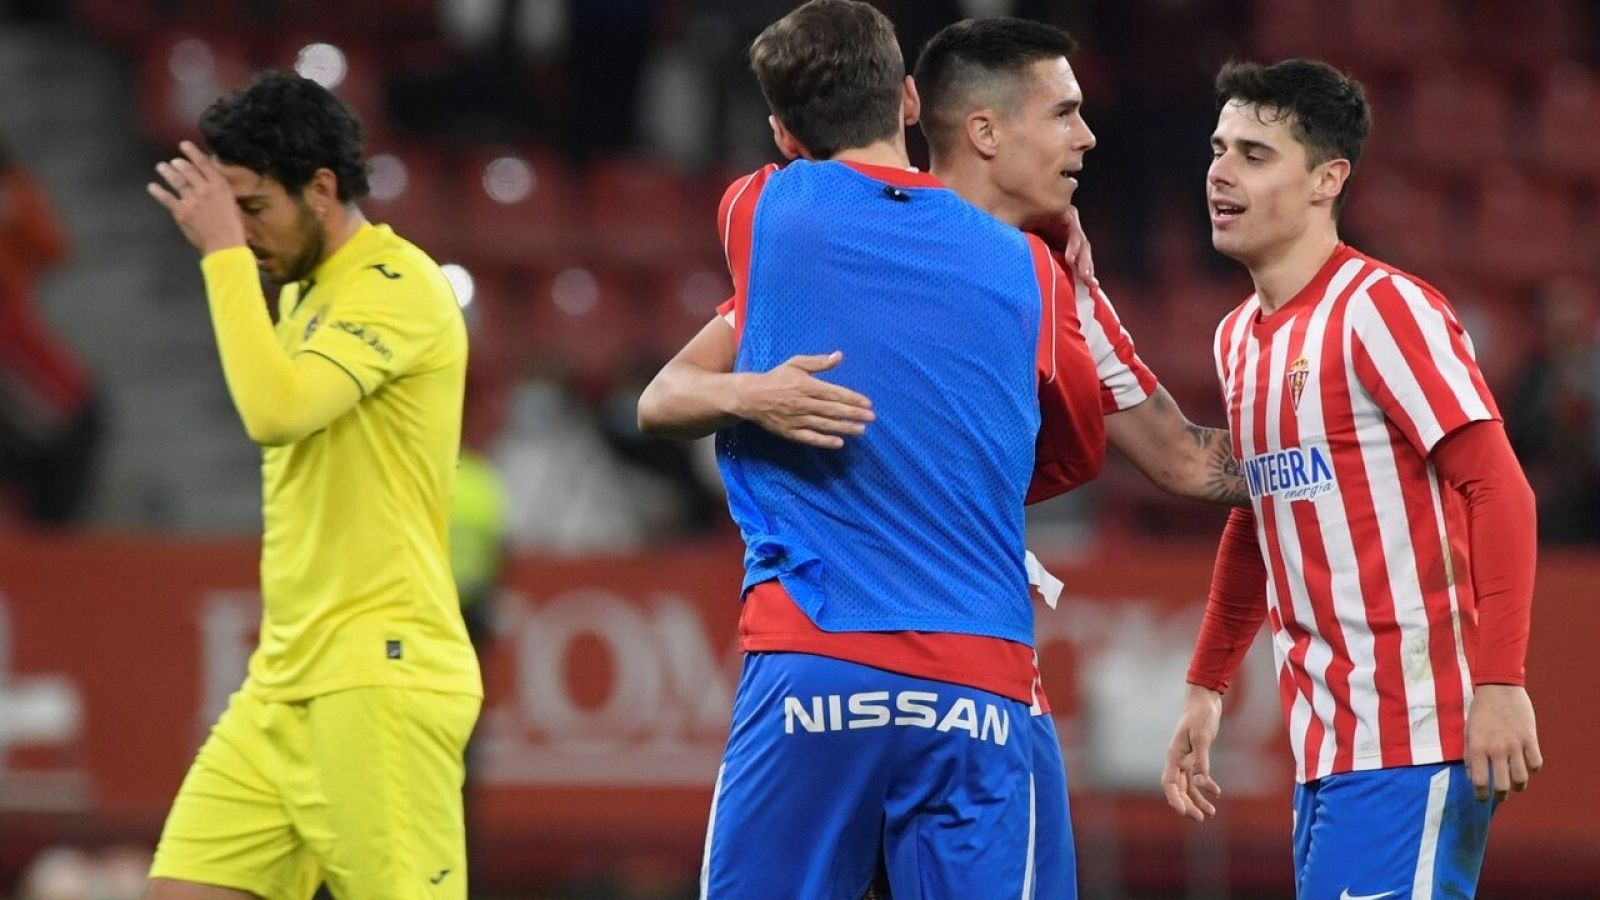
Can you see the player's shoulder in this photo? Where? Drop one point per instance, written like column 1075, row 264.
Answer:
column 392, row 267
column 749, row 185
column 739, row 201
column 1388, row 287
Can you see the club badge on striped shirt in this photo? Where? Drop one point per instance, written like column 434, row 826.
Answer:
column 1299, row 371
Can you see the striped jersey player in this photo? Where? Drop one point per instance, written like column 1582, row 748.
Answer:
column 1390, row 541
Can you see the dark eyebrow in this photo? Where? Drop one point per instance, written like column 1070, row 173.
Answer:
column 1069, row 105
column 1244, row 144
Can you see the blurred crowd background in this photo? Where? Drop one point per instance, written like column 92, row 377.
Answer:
column 566, row 158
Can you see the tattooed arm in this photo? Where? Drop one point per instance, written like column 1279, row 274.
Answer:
column 1177, row 455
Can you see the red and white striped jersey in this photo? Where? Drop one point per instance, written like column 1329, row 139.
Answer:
column 1335, row 401
column 1125, row 381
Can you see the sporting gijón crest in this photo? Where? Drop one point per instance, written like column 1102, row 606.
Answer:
column 1299, row 371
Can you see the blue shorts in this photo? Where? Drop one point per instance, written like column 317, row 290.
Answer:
column 1415, row 831
column 1055, row 861
column 831, row 763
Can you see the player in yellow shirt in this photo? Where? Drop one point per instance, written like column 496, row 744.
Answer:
column 340, row 758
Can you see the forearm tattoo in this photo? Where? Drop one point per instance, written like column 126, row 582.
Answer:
column 1224, row 482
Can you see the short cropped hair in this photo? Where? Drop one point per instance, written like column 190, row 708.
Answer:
column 977, row 62
column 287, row 127
column 1327, row 109
column 831, row 71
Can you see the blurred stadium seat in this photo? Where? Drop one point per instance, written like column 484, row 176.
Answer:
column 1459, row 120
column 408, row 185
column 1395, row 217
column 1288, row 28
column 1524, row 228
column 352, row 68
column 1523, row 35
column 584, row 322
column 1567, row 122
column 638, row 212
column 683, row 298
column 517, row 207
column 1393, row 34
column 181, row 73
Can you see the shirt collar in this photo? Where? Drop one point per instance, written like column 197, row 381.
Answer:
column 907, row 178
column 348, row 256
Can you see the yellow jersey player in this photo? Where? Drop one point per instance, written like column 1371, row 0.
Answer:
column 340, row 758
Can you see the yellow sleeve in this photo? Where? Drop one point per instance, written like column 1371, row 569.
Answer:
column 385, row 322
column 281, row 400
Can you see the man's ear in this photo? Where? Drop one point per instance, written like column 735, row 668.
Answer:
column 1330, row 180
column 787, row 143
column 910, row 103
column 982, row 132
column 321, row 193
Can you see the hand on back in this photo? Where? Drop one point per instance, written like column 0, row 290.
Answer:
column 793, row 403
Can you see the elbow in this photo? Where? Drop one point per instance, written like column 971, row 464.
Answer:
column 1526, row 498
column 649, row 414
column 272, row 431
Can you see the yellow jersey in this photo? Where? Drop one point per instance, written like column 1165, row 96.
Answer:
column 355, row 566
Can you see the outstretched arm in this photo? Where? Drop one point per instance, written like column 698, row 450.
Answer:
column 1178, row 456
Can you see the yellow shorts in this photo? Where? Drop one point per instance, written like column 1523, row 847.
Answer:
column 360, row 788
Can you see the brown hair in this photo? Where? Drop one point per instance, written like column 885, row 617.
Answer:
column 970, row 63
column 831, row 71
column 1327, row 109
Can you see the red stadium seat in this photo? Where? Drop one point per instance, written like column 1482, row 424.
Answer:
column 353, row 70
column 1395, row 34
column 583, row 322
column 1521, row 34
column 1401, row 220
column 1289, row 28
column 408, row 192
column 1524, row 230
column 639, row 213
column 683, row 299
column 182, row 73
column 518, row 207
column 1567, row 122
column 1460, row 121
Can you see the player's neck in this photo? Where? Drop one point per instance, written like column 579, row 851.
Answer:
column 890, row 152
column 1283, row 275
column 342, row 224
column 974, row 183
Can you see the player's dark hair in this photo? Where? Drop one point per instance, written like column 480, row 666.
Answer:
column 831, row 71
column 287, row 127
column 1327, row 109
column 966, row 62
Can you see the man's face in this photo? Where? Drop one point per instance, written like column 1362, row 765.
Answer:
column 1041, row 140
column 1259, row 190
column 282, row 231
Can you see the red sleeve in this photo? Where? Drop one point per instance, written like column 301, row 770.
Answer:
column 1502, row 546
column 1072, row 431
column 1125, row 380
column 1236, row 607
column 736, row 216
